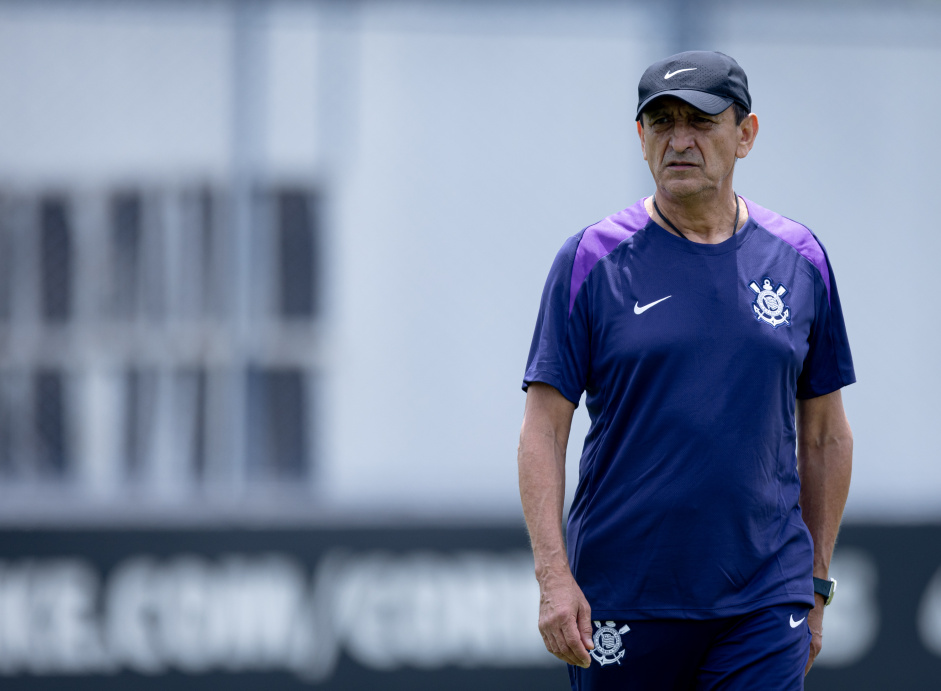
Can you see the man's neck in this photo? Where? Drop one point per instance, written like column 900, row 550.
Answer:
column 707, row 221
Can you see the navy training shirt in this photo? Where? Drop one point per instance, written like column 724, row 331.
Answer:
column 691, row 357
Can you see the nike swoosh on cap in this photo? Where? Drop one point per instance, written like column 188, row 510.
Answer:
column 641, row 310
column 795, row 624
column 672, row 74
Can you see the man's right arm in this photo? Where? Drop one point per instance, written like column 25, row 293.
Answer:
column 564, row 613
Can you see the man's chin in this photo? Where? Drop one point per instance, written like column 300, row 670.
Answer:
column 682, row 189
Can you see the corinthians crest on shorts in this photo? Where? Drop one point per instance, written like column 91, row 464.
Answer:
column 769, row 303
column 607, row 640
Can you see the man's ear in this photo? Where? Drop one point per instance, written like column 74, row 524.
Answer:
column 640, row 133
column 748, row 130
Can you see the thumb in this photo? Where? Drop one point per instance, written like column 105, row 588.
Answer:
column 584, row 626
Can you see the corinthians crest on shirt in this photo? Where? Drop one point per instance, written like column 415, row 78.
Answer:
column 607, row 640
column 769, row 305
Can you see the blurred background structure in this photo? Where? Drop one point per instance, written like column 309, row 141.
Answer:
column 268, row 275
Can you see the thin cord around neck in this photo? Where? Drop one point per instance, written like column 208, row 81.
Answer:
column 681, row 233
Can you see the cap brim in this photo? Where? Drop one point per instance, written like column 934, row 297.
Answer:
column 707, row 103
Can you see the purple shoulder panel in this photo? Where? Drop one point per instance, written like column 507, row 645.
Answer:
column 796, row 235
column 599, row 240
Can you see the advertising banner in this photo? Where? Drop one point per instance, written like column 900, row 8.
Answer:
column 378, row 608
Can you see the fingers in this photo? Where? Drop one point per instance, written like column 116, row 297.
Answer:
column 565, row 621
column 560, row 648
column 816, row 643
column 576, row 646
column 815, row 622
column 583, row 621
column 565, row 639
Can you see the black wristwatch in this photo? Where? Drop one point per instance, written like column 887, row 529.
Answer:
column 826, row 588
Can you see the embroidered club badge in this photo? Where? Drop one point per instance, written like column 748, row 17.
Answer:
column 607, row 640
column 769, row 304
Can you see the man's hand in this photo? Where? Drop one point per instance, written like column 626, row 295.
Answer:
column 564, row 613
column 815, row 622
column 565, row 620
column 824, row 464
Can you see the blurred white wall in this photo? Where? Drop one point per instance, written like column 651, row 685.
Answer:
column 106, row 91
column 845, row 102
column 458, row 145
column 482, row 146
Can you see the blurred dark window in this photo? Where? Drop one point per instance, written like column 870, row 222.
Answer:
column 297, row 250
column 209, row 249
column 50, row 412
column 138, row 423
column 126, row 241
column 195, row 381
column 55, row 257
column 277, row 423
column 9, row 407
column 7, row 248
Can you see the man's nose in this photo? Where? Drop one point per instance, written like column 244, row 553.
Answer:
column 682, row 138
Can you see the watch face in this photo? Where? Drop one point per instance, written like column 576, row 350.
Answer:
column 832, row 591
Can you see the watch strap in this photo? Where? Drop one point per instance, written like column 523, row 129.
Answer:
column 825, row 587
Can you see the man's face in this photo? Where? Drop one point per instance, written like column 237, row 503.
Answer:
column 690, row 152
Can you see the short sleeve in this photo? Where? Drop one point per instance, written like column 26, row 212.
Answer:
column 559, row 353
column 829, row 363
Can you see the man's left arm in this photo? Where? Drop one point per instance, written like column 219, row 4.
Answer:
column 824, row 463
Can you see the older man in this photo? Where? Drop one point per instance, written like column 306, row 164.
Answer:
column 708, row 337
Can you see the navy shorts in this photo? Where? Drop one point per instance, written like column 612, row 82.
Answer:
column 766, row 650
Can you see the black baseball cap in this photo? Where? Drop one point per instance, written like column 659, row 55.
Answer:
column 708, row 80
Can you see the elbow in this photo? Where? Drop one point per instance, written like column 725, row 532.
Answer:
column 843, row 441
column 836, row 438
column 840, row 442
column 835, row 447
column 834, row 444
